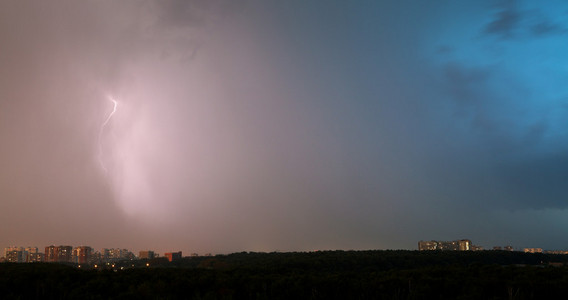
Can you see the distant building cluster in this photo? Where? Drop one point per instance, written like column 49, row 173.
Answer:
column 21, row 254
column 460, row 245
column 532, row 250
column 466, row 245
column 555, row 252
column 506, row 248
column 77, row 255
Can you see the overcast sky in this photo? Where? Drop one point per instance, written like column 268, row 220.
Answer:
column 283, row 125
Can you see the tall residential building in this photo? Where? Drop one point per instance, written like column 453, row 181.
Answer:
column 36, row 257
column 82, row 254
column 16, row 256
column 50, row 254
column 96, row 257
column 173, row 256
column 31, row 251
column 146, row 254
column 465, row 245
column 10, row 249
column 64, row 253
column 58, row 253
column 21, row 254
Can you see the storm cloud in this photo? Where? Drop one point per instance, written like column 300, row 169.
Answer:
column 262, row 126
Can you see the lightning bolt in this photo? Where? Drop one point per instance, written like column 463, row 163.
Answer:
column 115, row 105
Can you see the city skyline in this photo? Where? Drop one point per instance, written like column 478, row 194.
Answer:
column 115, row 254
column 222, row 126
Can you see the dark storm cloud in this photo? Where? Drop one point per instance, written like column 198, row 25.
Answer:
column 511, row 22
column 546, row 28
column 541, row 24
column 506, row 22
column 469, row 88
column 466, row 83
column 529, row 179
column 539, row 181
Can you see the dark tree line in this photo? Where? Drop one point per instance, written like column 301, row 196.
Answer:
column 314, row 275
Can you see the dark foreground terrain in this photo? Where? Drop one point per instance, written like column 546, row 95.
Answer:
column 314, row 275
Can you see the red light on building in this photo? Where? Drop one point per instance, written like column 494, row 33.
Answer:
column 172, row 256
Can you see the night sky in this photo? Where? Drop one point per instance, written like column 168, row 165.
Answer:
column 283, row 125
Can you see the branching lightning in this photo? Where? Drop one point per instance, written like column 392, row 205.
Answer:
column 115, row 105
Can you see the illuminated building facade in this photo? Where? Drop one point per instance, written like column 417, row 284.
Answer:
column 58, row 253
column 50, row 254
column 465, row 245
column 146, row 254
column 427, row 245
column 8, row 250
column 460, row 245
column 16, row 256
column 36, row 257
column 21, row 254
column 173, row 256
column 82, row 254
column 116, row 254
column 64, row 253
column 31, row 250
